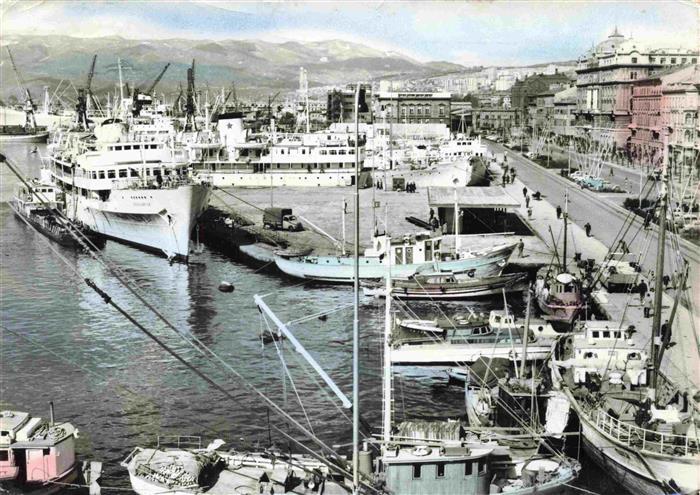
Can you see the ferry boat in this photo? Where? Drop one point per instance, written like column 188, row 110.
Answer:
column 405, row 256
column 135, row 191
column 36, row 456
column 234, row 158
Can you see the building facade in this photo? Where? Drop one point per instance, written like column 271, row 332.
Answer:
column 524, row 93
column 563, row 119
column 497, row 120
column 605, row 77
column 340, row 105
column 415, row 107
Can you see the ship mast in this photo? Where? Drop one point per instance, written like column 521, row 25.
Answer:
column 566, row 225
column 386, row 412
column 658, row 286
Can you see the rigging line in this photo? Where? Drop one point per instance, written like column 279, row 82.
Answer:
column 190, row 366
column 287, row 372
column 100, row 376
column 508, row 409
column 320, row 313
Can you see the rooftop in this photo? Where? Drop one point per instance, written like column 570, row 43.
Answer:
column 471, row 197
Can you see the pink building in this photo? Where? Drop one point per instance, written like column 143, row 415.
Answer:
column 666, row 100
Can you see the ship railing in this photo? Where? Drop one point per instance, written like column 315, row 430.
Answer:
column 179, row 441
column 644, row 439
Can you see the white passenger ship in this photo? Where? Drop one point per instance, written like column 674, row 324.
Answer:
column 134, row 189
column 233, row 157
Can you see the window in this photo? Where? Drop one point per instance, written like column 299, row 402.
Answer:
column 652, row 60
column 663, row 60
column 606, row 334
column 468, row 471
column 133, row 172
column 683, row 60
column 673, row 60
column 398, row 256
column 694, row 60
column 634, row 60
column 633, row 75
column 4, row 455
column 111, row 174
column 416, row 471
column 440, row 471
column 595, row 334
column 409, row 253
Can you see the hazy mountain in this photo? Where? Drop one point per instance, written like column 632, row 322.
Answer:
column 257, row 67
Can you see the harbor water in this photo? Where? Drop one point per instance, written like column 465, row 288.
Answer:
column 121, row 390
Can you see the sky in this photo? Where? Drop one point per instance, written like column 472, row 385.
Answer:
column 472, row 33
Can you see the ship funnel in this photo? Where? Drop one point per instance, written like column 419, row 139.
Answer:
column 231, row 130
column 51, row 413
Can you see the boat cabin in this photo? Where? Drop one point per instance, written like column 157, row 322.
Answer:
column 33, row 450
column 606, row 350
column 436, row 470
column 407, row 250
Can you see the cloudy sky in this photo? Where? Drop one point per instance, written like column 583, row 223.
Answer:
column 479, row 32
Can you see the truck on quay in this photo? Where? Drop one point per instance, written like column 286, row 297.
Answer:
column 281, row 219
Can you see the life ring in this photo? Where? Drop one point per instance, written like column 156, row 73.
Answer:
column 471, row 273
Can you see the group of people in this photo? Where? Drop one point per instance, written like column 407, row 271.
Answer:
column 508, row 175
column 379, row 185
column 410, row 187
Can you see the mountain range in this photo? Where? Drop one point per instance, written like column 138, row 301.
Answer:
column 257, row 67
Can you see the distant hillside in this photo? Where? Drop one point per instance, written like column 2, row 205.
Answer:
column 257, row 67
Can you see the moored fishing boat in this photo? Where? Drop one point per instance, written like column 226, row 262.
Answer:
column 449, row 286
column 406, row 257
column 36, row 456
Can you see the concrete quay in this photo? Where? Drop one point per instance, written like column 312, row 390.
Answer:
column 681, row 362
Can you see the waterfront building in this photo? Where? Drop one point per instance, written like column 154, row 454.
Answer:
column 340, row 105
column 605, row 76
column 499, row 120
column 563, row 118
column 524, row 92
column 668, row 99
column 415, row 107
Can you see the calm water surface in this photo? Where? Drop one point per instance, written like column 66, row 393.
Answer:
column 138, row 392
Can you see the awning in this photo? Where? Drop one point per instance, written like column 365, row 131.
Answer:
column 471, row 197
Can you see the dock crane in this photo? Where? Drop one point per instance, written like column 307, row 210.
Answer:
column 178, row 98
column 81, row 108
column 29, row 107
column 142, row 98
column 190, row 124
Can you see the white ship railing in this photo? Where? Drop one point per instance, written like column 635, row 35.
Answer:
column 646, row 440
column 181, row 441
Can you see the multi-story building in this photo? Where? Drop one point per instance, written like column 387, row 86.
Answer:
column 563, row 118
column 524, row 92
column 340, row 106
column 498, row 120
column 605, row 76
column 415, row 107
column 666, row 102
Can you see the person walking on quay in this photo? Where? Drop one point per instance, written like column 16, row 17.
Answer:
column 527, row 201
column 558, row 212
column 626, row 183
column 524, row 192
column 587, row 227
column 521, row 246
column 512, row 175
column 647, row 306
column 642, row 290
column 504, row 180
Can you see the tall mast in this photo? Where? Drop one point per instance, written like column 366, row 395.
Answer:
column 661, row 246
column 388, row 376
column 356, row 309
column 566, row 223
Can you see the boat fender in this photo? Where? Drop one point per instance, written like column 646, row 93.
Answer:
column 226, row 287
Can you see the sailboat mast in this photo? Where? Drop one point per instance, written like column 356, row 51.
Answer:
column 661, row 246
column 386, row 417
column 356, row 309
column 566, row 228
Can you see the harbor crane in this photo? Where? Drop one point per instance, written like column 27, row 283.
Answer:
column 29, row 107
column 190, row 124
column 142, row 98
column 81, row 107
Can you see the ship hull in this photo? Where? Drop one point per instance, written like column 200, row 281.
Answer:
column 158, row 220
column 451, row 355
column 341, row 270
column 56, row 485
column 39, row 137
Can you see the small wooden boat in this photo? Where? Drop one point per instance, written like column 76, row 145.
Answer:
column 454, row 286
